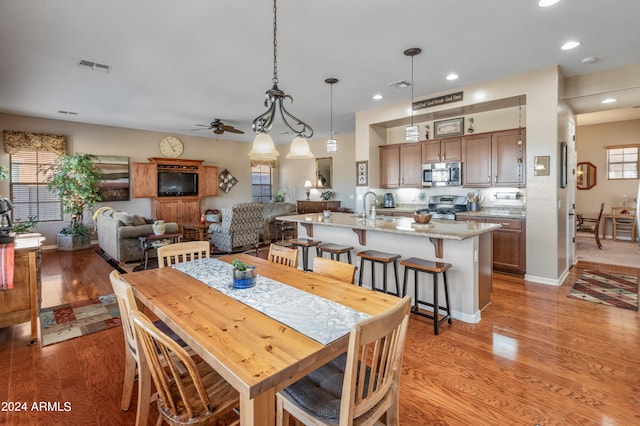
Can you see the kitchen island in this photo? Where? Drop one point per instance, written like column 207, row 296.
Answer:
column 465, row 245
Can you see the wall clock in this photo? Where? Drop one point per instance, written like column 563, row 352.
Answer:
column 171, row 147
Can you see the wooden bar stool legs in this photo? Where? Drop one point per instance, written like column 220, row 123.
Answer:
column 432, row 268
column 304, row 244
column 374, row 257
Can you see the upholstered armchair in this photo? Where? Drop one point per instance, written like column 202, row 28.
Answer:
column 241, row 226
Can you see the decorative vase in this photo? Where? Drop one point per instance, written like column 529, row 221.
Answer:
column 159, row 227
column 474, row 207
column 244, row 279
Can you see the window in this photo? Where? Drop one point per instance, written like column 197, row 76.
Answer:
column 622, row 162
column 29, row 193
column 261, row 183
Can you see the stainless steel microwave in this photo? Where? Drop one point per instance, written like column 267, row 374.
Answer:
column 442, row 174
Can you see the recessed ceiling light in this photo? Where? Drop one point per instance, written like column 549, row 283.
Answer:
column 589, row 60
column 609, row 101
column 377, row 97
column 452, row 76
column 547, row 3
column 572, row 44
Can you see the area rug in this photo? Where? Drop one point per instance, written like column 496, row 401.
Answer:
column 64, row 322
column 616, row 290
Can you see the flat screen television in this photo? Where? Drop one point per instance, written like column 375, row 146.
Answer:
column 177, row 184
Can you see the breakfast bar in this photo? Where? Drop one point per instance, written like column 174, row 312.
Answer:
column 465, row 245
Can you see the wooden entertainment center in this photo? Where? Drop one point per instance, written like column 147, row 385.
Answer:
column 176, row 208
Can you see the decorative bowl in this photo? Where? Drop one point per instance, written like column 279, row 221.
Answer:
column 422, row 217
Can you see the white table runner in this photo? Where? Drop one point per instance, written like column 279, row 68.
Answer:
column 321, row 319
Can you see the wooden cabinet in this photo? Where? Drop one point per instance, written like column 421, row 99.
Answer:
column 177, row 209
column 401, row 165
column 22, row 302
column 180, row 209
column 509, row 246
column 304, row 206
column 494, row 159
column 441, row 150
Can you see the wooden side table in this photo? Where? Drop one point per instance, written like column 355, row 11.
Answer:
column 149, row 242
column 195, row 231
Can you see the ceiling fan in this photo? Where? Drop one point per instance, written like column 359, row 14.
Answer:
column 219, row 127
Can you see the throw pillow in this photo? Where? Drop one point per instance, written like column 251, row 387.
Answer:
column 123, row 217
column 137, row 220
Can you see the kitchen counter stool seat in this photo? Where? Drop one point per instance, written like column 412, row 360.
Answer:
column 304, row 244
column 433, row 268
column 336, row 250
column 374, row 257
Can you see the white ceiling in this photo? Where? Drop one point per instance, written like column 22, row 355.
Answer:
column 176, row 64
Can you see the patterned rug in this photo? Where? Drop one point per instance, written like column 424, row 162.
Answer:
column 64, row 322
column 620, row 291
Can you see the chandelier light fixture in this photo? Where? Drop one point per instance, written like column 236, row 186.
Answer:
column 263, row 147
column 411, row 132
column 332, row 144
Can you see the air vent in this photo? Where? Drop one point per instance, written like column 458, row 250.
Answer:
column 400, row 84
column 67, row 112
column 94, row 65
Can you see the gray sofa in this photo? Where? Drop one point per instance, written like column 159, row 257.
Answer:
column 118, row 234
column 269, row 214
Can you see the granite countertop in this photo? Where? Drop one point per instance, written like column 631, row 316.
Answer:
column 500, row 212
column 445, row 229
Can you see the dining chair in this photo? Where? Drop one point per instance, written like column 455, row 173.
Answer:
column 283, row 255
column 589, row 224
column 333, row 269
column 624, row 221
column 197, row 396
column 126, row 305
column 182, row 252
column 359, row 387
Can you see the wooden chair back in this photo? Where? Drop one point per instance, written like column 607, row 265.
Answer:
column 126, row 302
column 591, row 224
column 624, row 221
column 371, row 379
column 187, row 393
column 341, row 271
column 283, row 255
column 182, row 252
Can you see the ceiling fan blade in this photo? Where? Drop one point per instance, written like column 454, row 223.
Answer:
column 201, row 128
column 234, row 130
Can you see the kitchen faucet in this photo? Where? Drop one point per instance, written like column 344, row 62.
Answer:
column 375, row 200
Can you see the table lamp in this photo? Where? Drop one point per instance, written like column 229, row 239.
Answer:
column 307, row 185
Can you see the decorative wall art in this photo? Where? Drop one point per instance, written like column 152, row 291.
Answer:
column 362, row 173
column 541, row 165
column 226, row 181
column 451, row 127
column 115, row 183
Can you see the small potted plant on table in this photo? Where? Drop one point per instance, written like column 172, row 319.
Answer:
column 244, row 276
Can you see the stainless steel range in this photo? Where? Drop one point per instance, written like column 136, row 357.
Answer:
column 445, row 206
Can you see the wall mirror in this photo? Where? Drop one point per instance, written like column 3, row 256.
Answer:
column 324, row 172
column 586, row 175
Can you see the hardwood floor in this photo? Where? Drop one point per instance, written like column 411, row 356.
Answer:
column 536, row 357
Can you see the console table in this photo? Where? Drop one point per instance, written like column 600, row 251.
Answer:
column 149, row 242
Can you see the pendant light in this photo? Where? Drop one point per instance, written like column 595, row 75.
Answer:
column 411, row 132
column 332, row 144
column 263, row 146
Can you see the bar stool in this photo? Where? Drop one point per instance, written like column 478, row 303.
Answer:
column 374, row 257
column 335, row 250
column 433, row 268
column 304, row 244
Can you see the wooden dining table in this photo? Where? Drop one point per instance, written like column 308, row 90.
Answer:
column 256, row 354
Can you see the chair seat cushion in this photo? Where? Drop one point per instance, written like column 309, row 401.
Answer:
column 319, row 392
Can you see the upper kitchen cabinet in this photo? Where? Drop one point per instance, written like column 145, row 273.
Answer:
column 494, row 159
column 442, row 150
column 401, row 165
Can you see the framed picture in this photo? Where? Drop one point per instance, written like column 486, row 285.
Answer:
column 541, row 165
column 362, row 173
column 451, row 127
column 114, row 185
column 563, row 164
column 226, row 181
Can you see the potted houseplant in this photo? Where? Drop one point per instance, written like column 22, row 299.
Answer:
column 244, row 276
column 75, row 179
